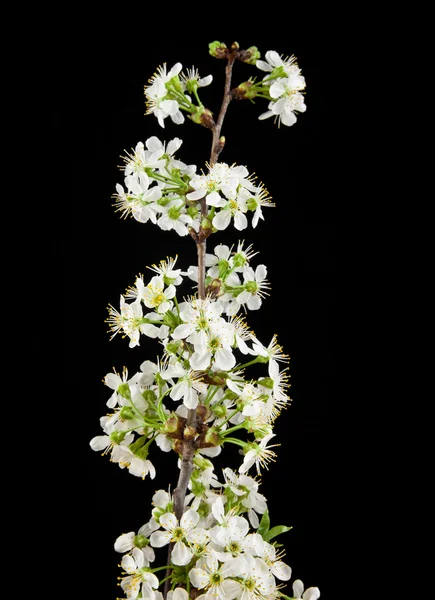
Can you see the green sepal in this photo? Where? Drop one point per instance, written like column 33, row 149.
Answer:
column 140, row 541
column 266, row 382
column 126, row 413
column 124, row 391
column 150, row 396
column 138, row 449
column 117, row 436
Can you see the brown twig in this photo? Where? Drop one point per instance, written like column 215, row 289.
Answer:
column 186, row 468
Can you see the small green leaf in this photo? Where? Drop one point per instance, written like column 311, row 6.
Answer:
column 263, row 528
column 277, row 530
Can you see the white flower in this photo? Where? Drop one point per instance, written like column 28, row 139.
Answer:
column 311, row 593
column 256, row 202
column 174, row 217
column 220, row 179
column 285, row 108
column 160, row 149
column 257, row 546
column 138, row 579
column 235, row 207
column 272, row 352
column 255, row 285
column 280, row 379
column 156, row 296
column 197, row 316
column 192, row 78
column 141, row 468
column 141, row 205
column 215, row 579
column 141, row 160
column 230, row 538
column 127, row 321
column 156, row 95
column 177, row 532
column 260, row 454
column 187, row 387
column 125, row 542
column 167, row 271
column 274, row 61
column 246, row 486
column 113, row 381
column 108, row 444
column 257, row 580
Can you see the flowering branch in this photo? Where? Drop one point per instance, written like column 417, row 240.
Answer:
column 213, row 549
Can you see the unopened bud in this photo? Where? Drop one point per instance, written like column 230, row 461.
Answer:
column 197, row 488
column 218, row 49
column 245, row 91
column 179, row 447
column 250, row 56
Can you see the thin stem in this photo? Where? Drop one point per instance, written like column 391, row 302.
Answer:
column 216, row 146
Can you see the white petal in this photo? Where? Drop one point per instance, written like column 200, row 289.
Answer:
column 154, row 145
column 224, row 359
column 100, row 442
column 276, row 89
column 222, row 220
column 180, row 594
column 215, row 199
column 265, row 115
column 169, row 521
column 205, row 80
column 190, row 519
column 160, row 538
column 199, row 578
column 128, row 564
column 125, row 542
column 183, row 331
column 261, row 273
column 178, row 118
column 263, row 66
column 273, row 58
column 199, row 362
column 281, row 570
column 190, row 399
column 254, row 302
column 174, row 145
column 196, row 195
column 240, row 221
column 288, row 118
column 311, row 593
column 181, row 554
column 298, row 588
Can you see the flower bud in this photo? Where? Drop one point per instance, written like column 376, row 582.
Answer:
column 250, row 56
column 203, row 116
column 218, row 49
column 126, row 413
column 245, row 91
column 140, row 541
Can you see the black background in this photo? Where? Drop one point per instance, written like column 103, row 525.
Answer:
column 98, row 114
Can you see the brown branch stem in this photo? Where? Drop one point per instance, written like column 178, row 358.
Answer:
column 188, row 453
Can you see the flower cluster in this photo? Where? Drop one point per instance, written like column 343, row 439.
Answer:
column 168, row 94
column 230, row 278
column 285, row 84
column 197, row 397
column 216, row 550
column 168, row 193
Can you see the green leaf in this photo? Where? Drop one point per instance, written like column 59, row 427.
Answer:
column 263, row 528
column 277, row 530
